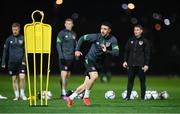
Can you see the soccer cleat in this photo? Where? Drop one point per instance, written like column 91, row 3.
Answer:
column 64, row 97
column 24, row 98
column 86, row 101
column 127, row 99
column 2, row 97
column 69, row 102
column 16, row 99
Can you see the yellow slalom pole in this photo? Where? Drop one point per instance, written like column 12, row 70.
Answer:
column 41, row 64
column 34, row 59
column 29, row 80
column 47, row 80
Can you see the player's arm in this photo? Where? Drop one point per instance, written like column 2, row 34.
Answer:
column 147, row 56
column 59, row 43
column 85, row 38
column 126, row 54
column 24, row 56
column 5, row 53
column 82, row 39
column 147, row 52
column 75, row 41
column 115, row 49
column 126, row 50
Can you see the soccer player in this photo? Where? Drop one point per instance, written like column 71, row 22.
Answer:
column 14, row 53
column 102, row 43
column 136, row 60
column 66, row 43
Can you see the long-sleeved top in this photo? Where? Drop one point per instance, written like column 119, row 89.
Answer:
column 95, row 52
column 14, row 50
column 66, row 43
column 137, row 52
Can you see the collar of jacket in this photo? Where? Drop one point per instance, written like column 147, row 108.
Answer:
column 138, row 38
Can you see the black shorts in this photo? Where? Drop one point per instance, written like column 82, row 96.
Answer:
column 16, row 68
column 66, row 65
column 92, row 66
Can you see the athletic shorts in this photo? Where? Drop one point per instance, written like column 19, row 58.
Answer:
column 65, row 65
column 15, row 68
column 92, row 66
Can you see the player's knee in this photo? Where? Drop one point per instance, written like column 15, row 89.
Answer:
column 64, row 74
column 93, row 75
column 14, row 79
column 21, row 76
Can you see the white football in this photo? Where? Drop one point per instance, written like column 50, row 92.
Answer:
column 155, row 94
column 110, row 94
column 148, row 95
column 164, row 95
column 49, row 95
column 124, row 93
column 133, row 95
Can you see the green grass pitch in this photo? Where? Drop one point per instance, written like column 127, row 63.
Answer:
column 99, row 103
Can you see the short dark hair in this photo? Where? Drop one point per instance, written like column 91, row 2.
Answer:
column 15, row 24
column 69, row 19
column 139, row 26
column 107, row 24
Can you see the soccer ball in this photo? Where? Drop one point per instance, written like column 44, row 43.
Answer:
column 154, row 94
column 133, row 95
column 110, row 94
column 163, row 95
column 148, row 95
column 49, row 95
column 124, row 94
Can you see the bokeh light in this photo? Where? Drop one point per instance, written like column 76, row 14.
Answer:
column 167, row 22
column 157, row 27
column 59, row 2
column 124, row 6
column 131, row 6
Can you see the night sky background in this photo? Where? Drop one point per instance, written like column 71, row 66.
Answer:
column 88, row 14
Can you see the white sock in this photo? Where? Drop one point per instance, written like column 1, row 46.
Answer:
column 73, row 96
column 16, row 92
column 86, row 94
column 22, row 92
column 63, row 92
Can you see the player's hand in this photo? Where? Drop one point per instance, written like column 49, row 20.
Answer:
column 103, row 47
column 125, row 65
column 145, row 68
column 3, row 66
column 78, row 53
